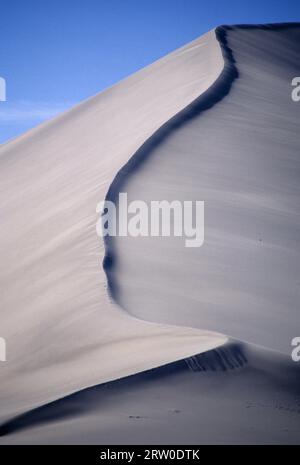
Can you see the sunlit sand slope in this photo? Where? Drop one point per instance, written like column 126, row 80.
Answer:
column 62, row 331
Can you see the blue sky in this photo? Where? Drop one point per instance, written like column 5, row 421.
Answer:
column 55, row 53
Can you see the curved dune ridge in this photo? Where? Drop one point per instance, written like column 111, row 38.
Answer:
column 191, row 401
column 241, row 156
column 63, row 333
column 66, row 335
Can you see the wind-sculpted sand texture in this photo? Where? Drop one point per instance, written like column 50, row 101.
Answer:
column 235, row 394
column 62, row 330
column 241, row 156
column 199, row 124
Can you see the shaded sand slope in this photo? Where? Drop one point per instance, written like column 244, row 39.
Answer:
column 242, row 158
column 63, row 333
column 234, row 394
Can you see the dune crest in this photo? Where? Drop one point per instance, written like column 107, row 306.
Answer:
column 164, row 131
column 63, row 332
column 241, row 157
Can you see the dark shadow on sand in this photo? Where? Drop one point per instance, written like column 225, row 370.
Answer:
column 216, row 92
column 229, row 357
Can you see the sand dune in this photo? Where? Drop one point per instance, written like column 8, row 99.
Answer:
column 202, row 123
column 242, row 158
column 62, row 331
column 237, row 394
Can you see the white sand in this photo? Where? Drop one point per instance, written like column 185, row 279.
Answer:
column 63, row 332
column 255, row 404
column 242, row 158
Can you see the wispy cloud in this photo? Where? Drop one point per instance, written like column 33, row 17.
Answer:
column 27, row 111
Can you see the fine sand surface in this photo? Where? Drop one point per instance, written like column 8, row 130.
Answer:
column 257, row 402
column 242, row 158
column 213, row 121
column 62, row 331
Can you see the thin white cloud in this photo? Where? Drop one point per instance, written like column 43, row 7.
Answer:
column 26, row 111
